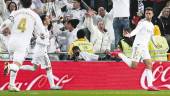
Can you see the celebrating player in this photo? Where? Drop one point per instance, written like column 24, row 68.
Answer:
column 40, row 55
column 23, row 21
column 143, row 32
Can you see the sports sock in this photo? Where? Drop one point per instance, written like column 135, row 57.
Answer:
column 13, row 73
column 50, row 78
column 149, row 77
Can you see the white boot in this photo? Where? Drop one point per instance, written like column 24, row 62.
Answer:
column 56, row 88
column 13, row 88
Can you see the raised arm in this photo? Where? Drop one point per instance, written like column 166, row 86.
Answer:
column 89, row 22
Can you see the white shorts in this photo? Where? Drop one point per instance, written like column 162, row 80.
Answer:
column 18, row 51
column 140, row 53
column 41, row 59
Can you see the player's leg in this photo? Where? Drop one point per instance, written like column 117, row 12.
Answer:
column 148, row 69
column 51, row 79
column 149, row 75
column 47, row 65
column 18, row 59
column 29, row 67
column 133, row 61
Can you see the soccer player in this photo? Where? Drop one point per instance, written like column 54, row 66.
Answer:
column 40, row 55
column 23, row 22
column 143, row 32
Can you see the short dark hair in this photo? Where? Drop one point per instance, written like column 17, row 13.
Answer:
column 149, row 9
column 73, row 22
column 26, row 3
column 81, row 34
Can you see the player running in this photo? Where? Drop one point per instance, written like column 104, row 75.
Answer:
column 23, row 22
column 143, row 32
column 40, row 55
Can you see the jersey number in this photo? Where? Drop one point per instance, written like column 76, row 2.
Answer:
column 22, row 25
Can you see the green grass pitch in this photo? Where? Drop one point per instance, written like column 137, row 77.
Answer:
column 87, row 93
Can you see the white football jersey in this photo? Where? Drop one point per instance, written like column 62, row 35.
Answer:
column 42, row 44
column 144, row 32
column 24, row 22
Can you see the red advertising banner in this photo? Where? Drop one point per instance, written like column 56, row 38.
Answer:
column 90, row 76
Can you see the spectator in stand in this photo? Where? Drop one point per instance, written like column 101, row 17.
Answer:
column 53, row 8
column 69, row 32
column 163, row 21
column 77, row 12
column 12, row 6
column 100, row 36
column 107, row 18
column 37, row 6
column 72, row 31
column 121, row 13
column 158, row 54
column 86, row 56
column 3, row 11
column 7, row 13
column 4, row 38
column 164, row 24
column 82, row 43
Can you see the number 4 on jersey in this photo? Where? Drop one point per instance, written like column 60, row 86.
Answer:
column 22, row 25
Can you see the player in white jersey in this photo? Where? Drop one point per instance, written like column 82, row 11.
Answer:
column 40, row 55
column 144, row 33
column 23, row 23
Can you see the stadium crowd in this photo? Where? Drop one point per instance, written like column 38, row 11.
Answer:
column 70, row 19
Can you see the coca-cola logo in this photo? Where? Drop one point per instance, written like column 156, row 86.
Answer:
column 39, row 82
column 160, row 73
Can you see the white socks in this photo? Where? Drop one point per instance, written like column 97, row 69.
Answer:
column 13, row 73
column 149, row 77
column 27, row 67
column 127, row 60
column 50, row 77
column 13, row 76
